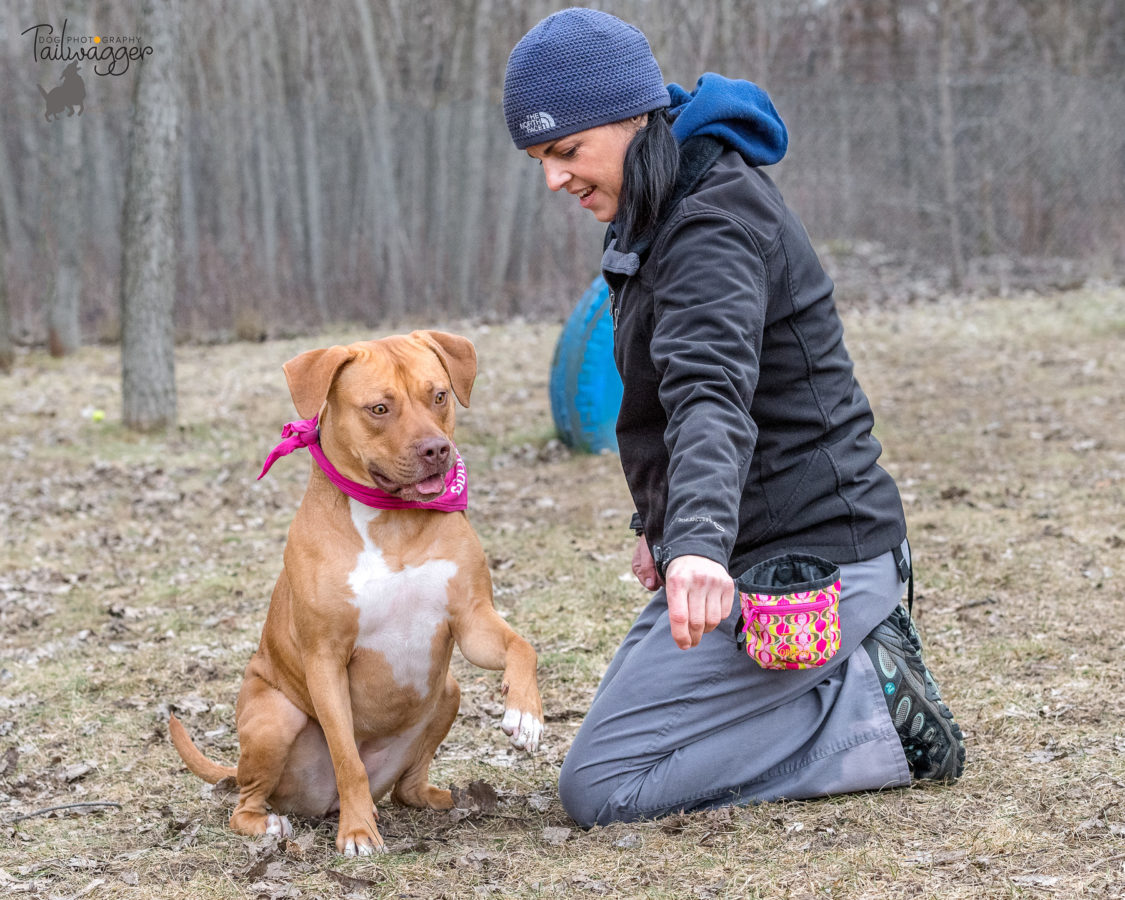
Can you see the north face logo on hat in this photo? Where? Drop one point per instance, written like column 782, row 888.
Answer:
column 537, row 122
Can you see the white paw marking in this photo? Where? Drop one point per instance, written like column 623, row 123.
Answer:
column 523, row 729
column 363, row 848
column 279, row 825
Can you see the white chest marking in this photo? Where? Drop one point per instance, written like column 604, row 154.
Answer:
column 399, row 612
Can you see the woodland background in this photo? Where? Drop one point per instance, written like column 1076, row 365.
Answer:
column 347, row 161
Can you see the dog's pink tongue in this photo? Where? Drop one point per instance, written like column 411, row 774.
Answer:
column 435, row 484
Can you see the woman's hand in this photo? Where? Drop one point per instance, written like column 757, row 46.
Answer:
column 644, row 567
column 700, row 595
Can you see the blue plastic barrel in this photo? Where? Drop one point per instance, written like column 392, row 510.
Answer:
column 584, row 386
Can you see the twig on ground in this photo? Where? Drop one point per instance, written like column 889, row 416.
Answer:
column 51, row 809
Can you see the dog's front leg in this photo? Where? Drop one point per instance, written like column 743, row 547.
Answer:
column 327, row 681
column 486, row 640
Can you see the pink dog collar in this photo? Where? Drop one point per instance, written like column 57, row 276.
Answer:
column 306, row 433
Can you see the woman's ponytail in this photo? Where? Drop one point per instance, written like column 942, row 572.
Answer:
column 651, row 162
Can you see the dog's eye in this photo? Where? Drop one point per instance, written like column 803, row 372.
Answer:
column 380, row 409
column 439, row 398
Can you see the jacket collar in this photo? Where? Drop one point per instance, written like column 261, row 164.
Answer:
column 697, row 156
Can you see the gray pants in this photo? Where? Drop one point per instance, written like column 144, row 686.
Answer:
column 673, row 729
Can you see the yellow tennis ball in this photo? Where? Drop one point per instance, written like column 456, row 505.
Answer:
column 97, row 415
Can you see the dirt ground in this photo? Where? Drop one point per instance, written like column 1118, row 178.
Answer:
column 135, row 572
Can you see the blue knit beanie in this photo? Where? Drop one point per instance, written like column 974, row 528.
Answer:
column 577, row 69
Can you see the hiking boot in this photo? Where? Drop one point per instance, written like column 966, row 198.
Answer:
column 932, row 741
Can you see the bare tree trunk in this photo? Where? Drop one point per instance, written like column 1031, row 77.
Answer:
column 226, row 198
column 948, row 144
column 708, row 28
column 189, row 228
column 310, row 165
column 64, row 334
column 194, row 183
column 102, row 189
column 529, row 214
column 990, row 234
column 844, row 170
column 265, row 151
column 11, row 226
column 762, row 34
column 442, row 225
column 7, row 354
column 363, row 237
column 472, row 197
column 506, row 211
column 376, row 121
column 148, row 265
column 903, row 74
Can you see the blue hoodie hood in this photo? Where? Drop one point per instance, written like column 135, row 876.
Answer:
column 737, row 112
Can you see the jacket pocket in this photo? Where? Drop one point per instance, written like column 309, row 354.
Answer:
column 790, row 488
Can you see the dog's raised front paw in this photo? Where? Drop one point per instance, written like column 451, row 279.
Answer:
column 523, row 728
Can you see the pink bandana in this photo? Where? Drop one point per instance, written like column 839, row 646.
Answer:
column 306, row 433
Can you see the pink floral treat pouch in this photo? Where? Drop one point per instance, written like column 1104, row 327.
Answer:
column 790, row 611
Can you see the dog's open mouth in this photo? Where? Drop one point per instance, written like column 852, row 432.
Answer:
column 428, row 488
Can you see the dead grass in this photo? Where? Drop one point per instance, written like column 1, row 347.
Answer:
column 134, row 574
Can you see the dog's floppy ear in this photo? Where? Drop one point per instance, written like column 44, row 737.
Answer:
column 459, row 357
column 310, row 375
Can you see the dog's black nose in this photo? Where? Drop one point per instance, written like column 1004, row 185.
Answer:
column 435, row 450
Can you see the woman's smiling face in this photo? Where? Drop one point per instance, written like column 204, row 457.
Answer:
column 589, row 164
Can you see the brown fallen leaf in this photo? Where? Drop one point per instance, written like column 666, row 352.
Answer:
column 272, row 890
column 298, row 847
column 76, row 771
column 479, row 797
column 351, row 882
column 263, row 851
column 408, row 845
column 9, row 761
column 476, row 859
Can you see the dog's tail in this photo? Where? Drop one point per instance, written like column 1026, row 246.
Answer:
column 210, row 772
column 41, row 91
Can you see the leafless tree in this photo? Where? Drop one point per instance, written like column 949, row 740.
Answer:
column 63, row 331
column 148, row 268
column 948, row 127
column 384, row 209
column 6, row 350
column 307, row 94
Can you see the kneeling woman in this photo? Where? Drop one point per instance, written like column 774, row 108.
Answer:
column 744, row 437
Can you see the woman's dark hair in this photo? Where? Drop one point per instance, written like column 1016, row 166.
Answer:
column 651, row 162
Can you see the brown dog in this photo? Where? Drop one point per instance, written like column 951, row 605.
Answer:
column 349, row 693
